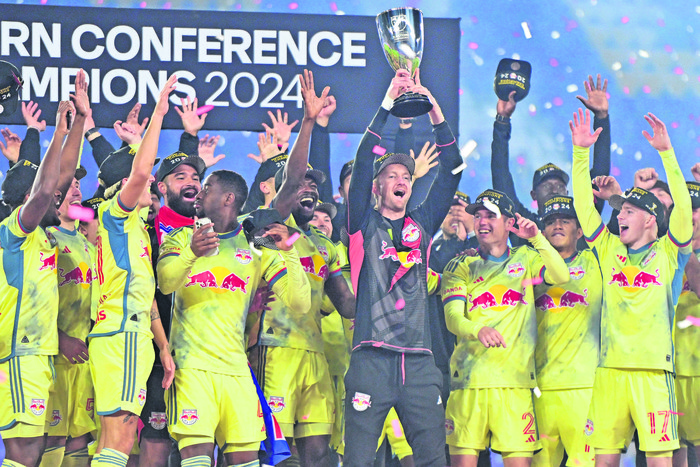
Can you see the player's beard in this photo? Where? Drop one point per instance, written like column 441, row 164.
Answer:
column 178, row 204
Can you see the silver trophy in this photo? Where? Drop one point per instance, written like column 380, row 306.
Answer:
column 401, row 34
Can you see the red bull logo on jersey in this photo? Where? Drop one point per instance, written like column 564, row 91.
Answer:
column 497, row 298
column 48, row 262
column 515, row 270
column 243, row 256
column 81, row 275
column 556, row 300
column 142, row 397
column 189, row 417
column 410, row 233
column 631, row 277
column 55, row 418
column 361, row 401
column 315, row 266
column 406, row 258
column 37, row 406
column 588, row 429
column 576, row 272
column 276, row 404
column 218, row 280
column 158, row 420
column 686, row 286
column 449, row 427
column 145, row 251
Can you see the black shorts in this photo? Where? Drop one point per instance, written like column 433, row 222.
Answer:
column 153, row 414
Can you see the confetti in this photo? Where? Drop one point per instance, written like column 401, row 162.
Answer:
column 459, row 168
column 537, row 392
column 400, row 304
column 75, row 211
column 526, row 30
column 492, row 207
column 378, row 150
column 468, row 148
column 688, row 321
column 293, row 238
column 3, row 377
column 306, row 417
column 396, row 426
column 533, row 281
column 204, row 109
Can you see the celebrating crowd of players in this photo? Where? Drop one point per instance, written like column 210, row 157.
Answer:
column 230, row 317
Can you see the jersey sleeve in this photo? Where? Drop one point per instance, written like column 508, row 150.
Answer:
column 333, row 261
column 680, row 223
column 175, row 261
column 454, row 298
column 434, row 280
column 15, row 233
column 592, row 225
column 555, row 270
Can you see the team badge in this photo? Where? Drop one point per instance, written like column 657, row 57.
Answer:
column 157, row 420
column 276, row 404
column 410, row 233
column 649, row 258
column 516, row 270
column 243, row 256
column 588, row 430
column 56, row 418
column 90, row 404
column 189, row 417
column 576, row 272
column 142, row 397
column 324, row 251
column 449, row 427
column 361, row 402
column 37, row 406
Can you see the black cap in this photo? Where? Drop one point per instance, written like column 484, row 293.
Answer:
column 95, row 200
column 694, row 189
column 459, row 196
column 10, row 84
column 346, row 171
column 489, row 198
column 394, row 158
column 328, row 208
column 558, row 205
column 117, row 166
column 257, row 220
column 18, row 181
column 641, row 198
column 174, row 160
column 316, row 175
column 269, row 168
column 548, row 170
column 512, row 75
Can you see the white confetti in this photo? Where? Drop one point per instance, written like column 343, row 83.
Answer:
column 555, row 35
column 684, row 324
column 537, row 392
column 572, row 88
column 616, row 66
column 638, row 156
column 643, row 53
column 492, row 207
column 459, row 168
column 526, row 30
column 468, row 148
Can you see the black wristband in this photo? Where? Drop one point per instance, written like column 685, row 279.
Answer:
column 502, row 119
column 91, row 131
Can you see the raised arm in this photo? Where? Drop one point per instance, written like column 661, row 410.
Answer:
column 70, row 153
column 320, row 149
column 582, row 140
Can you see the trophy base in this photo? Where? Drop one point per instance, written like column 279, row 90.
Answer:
column 411, row 104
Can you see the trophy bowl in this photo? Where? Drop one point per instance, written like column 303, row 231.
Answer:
column 401, row 35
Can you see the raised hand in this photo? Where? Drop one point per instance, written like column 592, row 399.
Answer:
column 596, row 96
column 313, row 104
column 327, row 111
column 659, row 138
column 506, row 108
column 80, row 98
column 127, row 132
column 607, row 186
column 526, row 228
column 10, row 149
column 162, row 106
column 191, row 122
column 268, row 147
column 695, row 170
column 280, row 235
column 62, row 117
column 280, row 127
column 206, row 149
column 133, row 119
column 425, row 160
column 31, row 113
column 645, row 178
column 581, row 129
column 401, row 83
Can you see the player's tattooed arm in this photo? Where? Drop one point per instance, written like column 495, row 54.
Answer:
column 155, row 315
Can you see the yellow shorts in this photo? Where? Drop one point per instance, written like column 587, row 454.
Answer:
column 339, row 422
column 688, row 398
column 120, row 365
column 625, row 399
column 25, row 395
column 503, row 418
column 393, row 431
column 203, row 407
column 299, row 390
column 561, row 418
column 72, row 402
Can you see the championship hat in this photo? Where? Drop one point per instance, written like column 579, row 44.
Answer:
column 493, row 200
column 512, row 75
column 10, row 84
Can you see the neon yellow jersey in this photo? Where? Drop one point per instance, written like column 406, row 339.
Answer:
column 281, row 327
column 29, row 291
column 210, row 310
column 76, row 273
column 688, row 339
column 95, row 289
column 568, row 326
column 124, row 270
column 490, row 292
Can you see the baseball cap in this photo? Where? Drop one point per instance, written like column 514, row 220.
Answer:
column 95, row 200
column 269, row 168
column 174, row 160
column 328, row 208
column 316, row 175
column 459, row 196
column 547, row 171
column 117, row 166
column 641, row 198
column 10, row 83
column 346, row 171
column 18, row 181
column 512, row 75
column 558, row 205
column 694, row 189
column 394, row 158
column 257, row 220
column 493, row 197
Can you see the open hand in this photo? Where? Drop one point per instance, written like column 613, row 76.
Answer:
column 526, row 228
column 425, row 160
column 659, row 138
column 280, row 127
column 597, row 97
column 581, row 129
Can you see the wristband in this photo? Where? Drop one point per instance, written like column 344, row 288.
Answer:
column 91, row 131
column 502, row 119
column 387, row 103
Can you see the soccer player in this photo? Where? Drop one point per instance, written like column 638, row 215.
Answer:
column 213, row 397
column 457, row 234
column 490, row 307
column 634, row 384
column 29, row 309
column 120, row 345
column 292, row 369
column 391, row 364
column 568, row 342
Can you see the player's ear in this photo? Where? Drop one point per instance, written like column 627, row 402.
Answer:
column 579, row 233
column 510, row 222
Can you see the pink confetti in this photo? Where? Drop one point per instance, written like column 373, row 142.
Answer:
column 668, row 48
column 626, row 89
column 521, row 160
column 400, row 304
column 167, row 5
column 334, row 7
column 293, row 6
column 615, row 171
column 534, row 281
column 558, row 101
column 472, row 173
column 661, row 22
column 75, row 211
column 474, row 19
column 625, row 19
column 378, row 150
column 674, row 124
column 396, row 426
column 204, row 109
column 306, row 417
column 43, row 2
column 461, row 91
column 553, row 62
column 473, row 45
column 293, row 238
column 646, row 88
column 3, row 377
column 678, row 70
column 693, row 320
column 143, row 4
